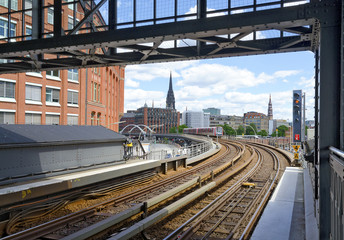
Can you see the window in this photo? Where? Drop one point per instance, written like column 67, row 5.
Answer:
column 7, row 89
column 7, row 117
column 94, row 92
column 73, row 97
column 98, row 118
column 53, row 95
column 28, row 5
column 33, row 93
column 98, row 92
column 73, row 75
column 71, row 23
column 53, row 73
column 33, row 118
column 92, row 117
column 28, row 32
column 70, row 6
column 4, row 29
column 51, row 15
column 52, row 119
column 72, row 120
column 14, row 4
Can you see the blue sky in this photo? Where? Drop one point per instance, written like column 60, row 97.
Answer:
column 235, row 85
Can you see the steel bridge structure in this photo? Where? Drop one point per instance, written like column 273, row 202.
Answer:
column 114, row 32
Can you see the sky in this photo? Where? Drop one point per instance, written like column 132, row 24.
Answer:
column 235, row 85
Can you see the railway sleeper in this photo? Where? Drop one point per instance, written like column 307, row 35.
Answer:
column 217, row 230
column 239, row 211
column 222, row 223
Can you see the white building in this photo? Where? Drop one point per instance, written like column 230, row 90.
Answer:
column 196, row 119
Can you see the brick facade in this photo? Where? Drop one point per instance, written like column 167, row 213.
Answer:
column 93, row 96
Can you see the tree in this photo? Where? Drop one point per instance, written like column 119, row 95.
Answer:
column 181, row 127
column 240, row 130
column 173, row 130
column 249, row 130
column 228, row 130
column 262, row 133
column 281, row 130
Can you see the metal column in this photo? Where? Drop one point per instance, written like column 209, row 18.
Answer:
column 329, row 116
column 342, row 82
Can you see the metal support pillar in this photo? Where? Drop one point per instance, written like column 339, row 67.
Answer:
column 112, row 19
column 342, row 81
column 329, row 117
column 201, row 13
column 316, row 118
column 57, row 18
column 37, row 19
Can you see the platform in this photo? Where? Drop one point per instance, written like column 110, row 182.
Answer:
column 286, row 215
column 36, row 188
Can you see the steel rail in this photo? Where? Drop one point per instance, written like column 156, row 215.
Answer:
column 46, row 228
column 210, row 207
column 219, row 201
column 259, row 209
column 166, row 211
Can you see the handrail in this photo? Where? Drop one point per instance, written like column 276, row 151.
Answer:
column 338, row 152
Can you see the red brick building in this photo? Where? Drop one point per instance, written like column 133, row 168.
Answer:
column 93, row 96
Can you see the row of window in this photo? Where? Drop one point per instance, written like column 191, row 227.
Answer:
column 12, row 31
column 33, row 93
column 36, row 118
column 28, row 4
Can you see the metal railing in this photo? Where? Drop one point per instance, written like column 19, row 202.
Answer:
column 190, row 151
column 337, row 193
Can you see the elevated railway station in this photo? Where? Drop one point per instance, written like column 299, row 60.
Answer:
column 104, row 33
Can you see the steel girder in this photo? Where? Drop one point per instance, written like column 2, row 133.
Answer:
column 221, row 36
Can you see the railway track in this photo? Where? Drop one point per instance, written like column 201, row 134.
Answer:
column 94, row 211
column 232, row 214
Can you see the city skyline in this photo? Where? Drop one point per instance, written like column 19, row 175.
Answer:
column 235, row 85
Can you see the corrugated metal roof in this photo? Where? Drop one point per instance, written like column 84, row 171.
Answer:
column 31, row 134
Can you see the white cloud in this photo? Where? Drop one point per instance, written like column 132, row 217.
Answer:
column 200, row 85
column 131, row 83
column 218, row 78
column 149, row 72
column 286, row 73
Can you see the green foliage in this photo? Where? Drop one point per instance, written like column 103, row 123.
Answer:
column 173, row 130
column 249, row 130
column 181, row 127
column 228, row 130
column 240, row 130
column 262, row 133
column 281, row 130
column 273, row 134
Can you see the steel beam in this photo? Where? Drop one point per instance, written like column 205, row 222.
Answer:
column 329, row 116
column 238, row 23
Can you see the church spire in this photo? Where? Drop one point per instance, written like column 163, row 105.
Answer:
column 270, row 109
column 170, row 102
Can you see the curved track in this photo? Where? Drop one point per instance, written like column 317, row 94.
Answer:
column 133, row 196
